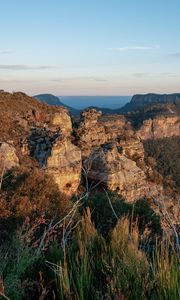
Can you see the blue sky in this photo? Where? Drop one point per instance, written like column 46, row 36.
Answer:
column 90, row 47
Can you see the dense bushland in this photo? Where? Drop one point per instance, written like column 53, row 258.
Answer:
column 166, row 153
column 101, row 248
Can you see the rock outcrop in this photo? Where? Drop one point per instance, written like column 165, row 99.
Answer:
column 95, row 130
column 91, row 133
column 53, row 150
column 43, row 133
column 112, row 153
column 160, row 127
column 62, row 120
column 64, row 165
column 107, row 145
column 40, row 143
column 110, row 167
column 131, row 146
column 115, row 125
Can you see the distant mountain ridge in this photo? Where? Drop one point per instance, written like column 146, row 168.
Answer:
column 145, row 104
column 140, row 101
column 55, row 101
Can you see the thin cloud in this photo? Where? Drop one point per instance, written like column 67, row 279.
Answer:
column 84, row 78
column 23, row 67
column 135, row 48
column 3, row 52
column 175, row 54
column 169, row 75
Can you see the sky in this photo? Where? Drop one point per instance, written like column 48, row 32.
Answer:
column 90, row 47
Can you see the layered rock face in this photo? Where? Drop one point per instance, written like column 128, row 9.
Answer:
column 64, row 165
column 111, row 151
column 62, row 120
column 140, row 101
column 40, row 132
column 40, row 143
column 110, row 145
column 52, row 148
column 160, row 127
column 95, row 130
column 117, row 172
column 90, row 133
column 107, row 147
column 155, row 98
column 115, row 126
column 131, row 146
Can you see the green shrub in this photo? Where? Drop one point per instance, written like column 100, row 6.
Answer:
column 17, row 262
column 91, row 267
column 88, row 266
column 105, row 219
column 166, row 154
column 101, row 212
column 166, row 268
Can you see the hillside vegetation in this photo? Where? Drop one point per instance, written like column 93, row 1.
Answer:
column 83, row 215
column 71, row 258
column 166, row 153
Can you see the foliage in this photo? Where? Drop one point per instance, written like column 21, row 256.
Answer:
column 101, row 257
column 17, row 262
column 166, row 271
column 105, row 219
column 32, row 192
column 102, row 214
column 167, row 158
column 92, row 267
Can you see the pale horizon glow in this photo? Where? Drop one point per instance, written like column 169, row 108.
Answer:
column 96, row 47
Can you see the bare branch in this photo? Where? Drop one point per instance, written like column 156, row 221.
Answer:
column 1, row 178
column 110, row 204
column 4, row 296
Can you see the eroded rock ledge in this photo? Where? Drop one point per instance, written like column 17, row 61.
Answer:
column 161, row 127
column 65, row 165
column 117, row 172
column 110, row 142
column 113, row 150
column 109, row 145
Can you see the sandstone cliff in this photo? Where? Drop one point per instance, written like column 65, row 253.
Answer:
column 64, row 165
column 117, row 172
column 160, row 127
column 95, row 130
column 90, row 133
column 108, row 147
column 141, row 101
column 112, row 153
column 39, row 133
column 62, row 120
